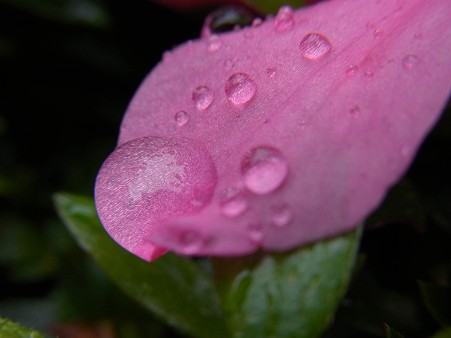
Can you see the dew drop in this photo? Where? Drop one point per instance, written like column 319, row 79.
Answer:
column 181, row 118
column 228, row 65
column 228, row 18
column 240, row 88
column 214, row 43
column 202, row 97
column 284, row 19
column 410, row 61
column 352, row 70
column 271, row 71
column 282, row 216
column 264, row 169
column 233, row 203
column 150, row 180
column 256, row 234
column 377, row 33
column 190, row 242
column 314, row 46
column 257, row 22
column 355, row 110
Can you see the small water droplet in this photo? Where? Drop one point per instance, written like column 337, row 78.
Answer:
column 410, row 61
column 228, row 65
column 377, row 33
column 352, row 70
column 181, row 118
column 214, row 43
column 418, row 36
column 405, row 150
column 256, row 234
column 282, row 216
column 369, row 73
column 202, row 97
column 191, row 242
column 257, row 22
column 314, row 46
column 271, row 71
column 264, row 169
column 233, row 203
column 284, row 20
column 355, row 110
column 240, row 88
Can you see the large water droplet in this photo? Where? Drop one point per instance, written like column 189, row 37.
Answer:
column 240, row 88
column 151, row 180
column 284, row 20
column 264, row 169
column 282, row 216
column 227, row 19
column 410, row 61
column 202, row 97
column 233, row 203
column 314, row 46
column 181, row 118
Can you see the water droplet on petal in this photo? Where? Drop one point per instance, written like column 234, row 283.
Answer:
column 377, row 33
column 282, row 216
column 181, row 118
column 314, row 46
column 355, row 110
column 190, row 242
column 257, row 22
column 410, row 61
column 228, row 65
column 284, row 20
column 256, row 234
column 151, row 180
column 233, row 203
column 202, row 97
column 214, row 43
column 240, row 88
column 264, row 169
column 227, row 18
column 271, row 71
column 352, row 70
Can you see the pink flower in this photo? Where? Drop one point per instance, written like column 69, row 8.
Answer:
column 277, row 135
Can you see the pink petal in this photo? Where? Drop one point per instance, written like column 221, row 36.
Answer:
column 282, row 135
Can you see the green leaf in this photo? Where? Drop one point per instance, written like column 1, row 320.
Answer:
column 391, row 333
column 9, row 329
column 173, row 287
column 293, row 294
column 445, row 333
column 437, row 299
column 272, row 6
column 90, row 13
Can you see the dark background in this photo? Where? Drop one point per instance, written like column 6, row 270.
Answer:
column 68, row 69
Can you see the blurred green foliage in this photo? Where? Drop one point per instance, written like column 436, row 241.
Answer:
column 68, row 70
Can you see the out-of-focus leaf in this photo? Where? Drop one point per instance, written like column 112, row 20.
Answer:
column 445, row 333
column 402, row 204
column 80, row 12
column 173, row 287
column 437, row 299
column 271, row 6
column 293, row 294
column 9, row 329
column 392, row 333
